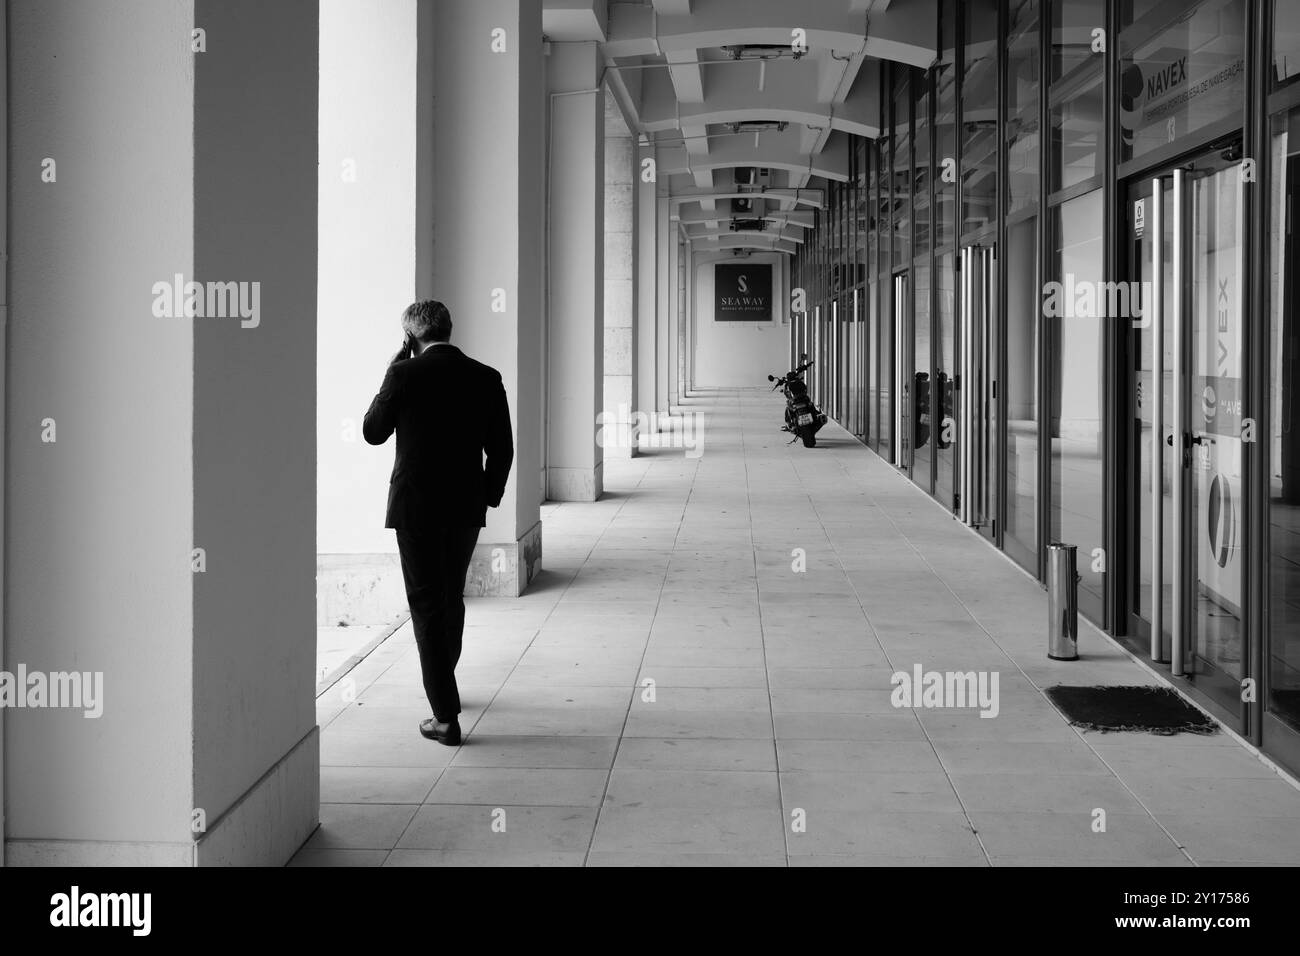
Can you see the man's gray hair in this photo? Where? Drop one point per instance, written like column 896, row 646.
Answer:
column 428, row 320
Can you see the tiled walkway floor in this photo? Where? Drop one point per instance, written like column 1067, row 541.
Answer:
column 770, row 738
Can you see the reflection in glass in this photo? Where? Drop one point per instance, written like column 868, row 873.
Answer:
column 945, row 437
column 945, row 133
column 1283, row 662
column 902, row 177
column 979, row 115
column 1142, row 252
column 1215, row 411
column 1022, row 88
column 1075, row 92
column 1180, row 69
column 921, row 172
column 1286, row 41
column 1021, row 538
column 1077, row 377
column 883, row 301
column 922, row 393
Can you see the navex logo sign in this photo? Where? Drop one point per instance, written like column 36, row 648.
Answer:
column 742, row 292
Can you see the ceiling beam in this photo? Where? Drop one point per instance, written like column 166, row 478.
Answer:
column 904, row 31
column 792, row 234
column 804, row 220
column 812, row 198
column 775, row 150
column 575, row 20
column 745, row 242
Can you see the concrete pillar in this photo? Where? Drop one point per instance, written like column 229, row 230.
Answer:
column 576, row 247
column 371, row 170
column 677, row 272
column 688, row 327
column 647, row 283
column 666, row 286
column 156, row 430
column 487, row 116
column 618, row 429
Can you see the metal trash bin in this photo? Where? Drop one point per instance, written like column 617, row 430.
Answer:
column 1062, row 602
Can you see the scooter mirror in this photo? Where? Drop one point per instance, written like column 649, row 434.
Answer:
column 803, row 357
column 771, row 378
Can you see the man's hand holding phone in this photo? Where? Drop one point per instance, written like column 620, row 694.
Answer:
column 406, row 351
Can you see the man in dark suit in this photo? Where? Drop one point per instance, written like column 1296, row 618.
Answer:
column 448, row 411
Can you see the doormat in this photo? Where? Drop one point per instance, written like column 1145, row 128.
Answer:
column 1154, row 710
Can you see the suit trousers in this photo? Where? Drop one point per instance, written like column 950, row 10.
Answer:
column 434, row 564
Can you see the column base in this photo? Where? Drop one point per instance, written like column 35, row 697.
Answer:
column 274, row 817
column 505, row 570
column 359, row 589
column 575, row 484
column 264, row 827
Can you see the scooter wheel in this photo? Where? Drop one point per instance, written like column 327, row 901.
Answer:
column 809, row 436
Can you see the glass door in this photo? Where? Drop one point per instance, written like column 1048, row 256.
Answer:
column 977, row 390
column 903, row 411
column 1186, row 260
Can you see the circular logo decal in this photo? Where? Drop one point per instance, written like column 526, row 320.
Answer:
column 1209, row 403
column 1221, row 521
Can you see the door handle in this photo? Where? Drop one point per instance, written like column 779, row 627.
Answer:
column 1202, row 440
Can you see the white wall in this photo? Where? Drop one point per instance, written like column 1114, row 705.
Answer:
column 367, row 255
column 738, row 354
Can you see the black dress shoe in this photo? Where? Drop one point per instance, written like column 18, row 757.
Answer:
column 448, row 734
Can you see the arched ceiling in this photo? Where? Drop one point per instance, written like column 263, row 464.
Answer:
column 747, row 130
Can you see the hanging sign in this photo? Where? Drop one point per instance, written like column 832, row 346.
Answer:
column 742, row 292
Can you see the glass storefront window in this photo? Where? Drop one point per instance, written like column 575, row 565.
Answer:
column 921, row 170
column 902, row 177
column 922, row 391
column 1286, row 41
column 874, row 261
column 979, row 115
column 1022, row 86
column 1077, row 374
column 1075, row 92
column 1181, row 69
column 945, row 411
column 945, row 137
column 862, row 213
column 1023, row 309
column 1283, row 659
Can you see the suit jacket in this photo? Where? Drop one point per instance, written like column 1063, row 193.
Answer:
column 448, row 411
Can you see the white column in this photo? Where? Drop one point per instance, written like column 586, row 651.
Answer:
column 370, row 162
column 647, row 283
column 151, row 431
column 688, row 328
column 487, row 115
column 666, row 286
column 576, row 245
column 618, row 429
